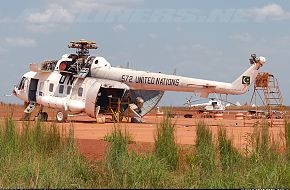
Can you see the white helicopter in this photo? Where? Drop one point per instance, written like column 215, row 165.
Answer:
column 213, row 105
column 80, row 83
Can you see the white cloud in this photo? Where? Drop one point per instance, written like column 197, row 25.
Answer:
column 84, row 6
column 268, row 12
column 87, row 6
column 104, row 5
column 242, row 37
column 119, row 28
column 61, row 13
column 50, row 19
column 53, row 14
column 20, row 42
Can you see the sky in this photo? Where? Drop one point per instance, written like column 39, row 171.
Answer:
column 201, row 39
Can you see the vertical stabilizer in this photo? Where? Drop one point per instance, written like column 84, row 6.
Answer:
column 243, row 82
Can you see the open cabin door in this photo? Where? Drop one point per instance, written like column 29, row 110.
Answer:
column 108, row 97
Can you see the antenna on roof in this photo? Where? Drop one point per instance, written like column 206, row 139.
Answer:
column 174, row 72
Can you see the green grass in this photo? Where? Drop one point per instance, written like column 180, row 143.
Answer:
column 45, row 156
column 287, row 139
column 229, row 157
column 40, row 157
column 203, row 162
column 165, row 146
column 124, row 170
column 222, row 166
column 117, row 133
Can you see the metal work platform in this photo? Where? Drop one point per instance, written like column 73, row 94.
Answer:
column 268, row 94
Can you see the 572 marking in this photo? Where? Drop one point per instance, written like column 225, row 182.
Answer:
column 127, row 78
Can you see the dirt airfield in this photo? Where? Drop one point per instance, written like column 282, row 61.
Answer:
column 90, row 135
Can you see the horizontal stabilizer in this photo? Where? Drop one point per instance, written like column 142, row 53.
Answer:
column 202, row 94
column 205, row 86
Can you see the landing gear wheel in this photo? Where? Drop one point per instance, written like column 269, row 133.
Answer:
column 42, row 116
column 61, row 116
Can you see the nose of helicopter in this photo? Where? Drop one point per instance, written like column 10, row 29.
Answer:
column 15, row 90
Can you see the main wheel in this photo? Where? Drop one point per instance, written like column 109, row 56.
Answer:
column 45, row 116
column 42, row 116
column 61, row 116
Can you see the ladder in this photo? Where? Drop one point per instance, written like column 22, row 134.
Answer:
column 267, row 88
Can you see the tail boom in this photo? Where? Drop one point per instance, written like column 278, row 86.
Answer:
column 142, row 80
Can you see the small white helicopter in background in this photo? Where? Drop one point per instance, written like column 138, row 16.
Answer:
column 213, row 105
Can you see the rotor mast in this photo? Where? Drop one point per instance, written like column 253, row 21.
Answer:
column 82, row 47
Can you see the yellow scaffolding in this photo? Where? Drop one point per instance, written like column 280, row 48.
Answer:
column 115, row 109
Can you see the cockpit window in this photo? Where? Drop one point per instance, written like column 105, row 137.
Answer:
column 70, row 80
column 21, row 84
column 62, row 79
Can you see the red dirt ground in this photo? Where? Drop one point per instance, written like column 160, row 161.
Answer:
column 89, row 135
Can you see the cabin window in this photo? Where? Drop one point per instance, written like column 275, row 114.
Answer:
column 60, row 90
column 51, row 85
column 70, row 80
column 41, row 88
column 68, row 90
column 80, row 91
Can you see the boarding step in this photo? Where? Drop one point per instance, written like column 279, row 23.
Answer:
column 30, row 107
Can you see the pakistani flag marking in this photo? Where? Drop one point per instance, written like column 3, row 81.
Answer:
column 246, row 80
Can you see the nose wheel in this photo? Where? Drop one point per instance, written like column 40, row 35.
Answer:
column 61, row 116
